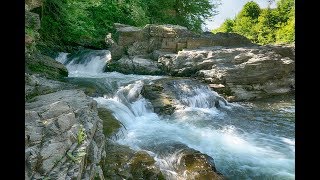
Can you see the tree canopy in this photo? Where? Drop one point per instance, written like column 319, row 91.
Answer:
column 86, row 22
column 264, row 26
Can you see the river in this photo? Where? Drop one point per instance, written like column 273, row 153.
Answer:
column 247, row 140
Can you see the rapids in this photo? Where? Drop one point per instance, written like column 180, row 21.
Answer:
column 248, row 140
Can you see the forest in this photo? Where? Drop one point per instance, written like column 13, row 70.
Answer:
column 264, row 26
column 86, row 22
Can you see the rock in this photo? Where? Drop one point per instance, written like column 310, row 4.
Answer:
column 123, row 163
column 110, row 124
column 167, row 31
column 229, row 40
column 32, row 20
column 247, row 73
column 116, row 51
column 196, row 165
column 46, row 66
column 63, row 131
column 31, row 4
column 169, row 38
column 187, row 162
column 36, row 85
column 168, row 94
column 135, row 65
column 138, row 48
column 128, row 34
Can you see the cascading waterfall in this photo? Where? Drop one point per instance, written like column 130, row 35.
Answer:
column 246, row 141
column 89, row 64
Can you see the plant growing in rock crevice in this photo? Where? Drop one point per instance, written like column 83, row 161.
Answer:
column 81, row 135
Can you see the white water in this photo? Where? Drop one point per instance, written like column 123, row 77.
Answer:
column 245, row 143
column 88, row 68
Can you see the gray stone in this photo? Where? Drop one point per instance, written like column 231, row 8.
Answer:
column 169, row 38
column 31, row 4
column 247, row 72
column 136, row 65
column 53, row 123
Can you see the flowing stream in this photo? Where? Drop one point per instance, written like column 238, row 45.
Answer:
column 249, row 140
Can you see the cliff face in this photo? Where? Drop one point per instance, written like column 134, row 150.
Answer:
column 244, row 73
column 228, row 62
column 63, row 136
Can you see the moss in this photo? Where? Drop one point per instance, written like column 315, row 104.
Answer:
column 142, row 166
column 110, row 124
column 41, row 64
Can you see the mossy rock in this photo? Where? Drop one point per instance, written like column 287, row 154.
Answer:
column 37, row 63
column 143, row 167
column 121, row 162
column 199, row 166
column 91, row 87
column 159, row 98
column 110, row 124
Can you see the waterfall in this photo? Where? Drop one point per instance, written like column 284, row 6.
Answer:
column 190, row 93
column 86, row 63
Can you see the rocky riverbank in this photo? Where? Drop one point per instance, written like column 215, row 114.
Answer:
column 67, row 136
column 229, row 63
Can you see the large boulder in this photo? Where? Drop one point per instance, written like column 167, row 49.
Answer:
column 121, row 162
column 167, row 37
column 36, row 85
column 38, row 63
column 168, row 94
column 135, row 65
column 187, row 162
column 63, row 137
column 243, row 73
column 127, row 35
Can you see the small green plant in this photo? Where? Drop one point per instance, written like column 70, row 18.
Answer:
column 81, row 135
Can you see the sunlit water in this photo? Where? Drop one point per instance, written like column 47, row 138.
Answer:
column 246, row 140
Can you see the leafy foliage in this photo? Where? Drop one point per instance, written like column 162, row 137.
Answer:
column 81, row 136
column 264, row 26
column 86, row 22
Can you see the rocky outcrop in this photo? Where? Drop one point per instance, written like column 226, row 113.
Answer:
column 168, row 94
column 187, row 162
column 63, row 137
column 36, row 85
column 121, row 162
column 228, row 62
column 135, row 65
column 38, row 63
column 196, row 165
column 244, row 73
column 169, row 38
column 31, row 4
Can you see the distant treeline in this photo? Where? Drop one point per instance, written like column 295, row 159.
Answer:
column 264, row 26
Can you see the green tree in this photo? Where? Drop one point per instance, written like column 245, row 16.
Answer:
column 246, row 27
column 250, row 9
column 227, row 26
column 286, row 33
column 264, row 26
column 86, row 22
